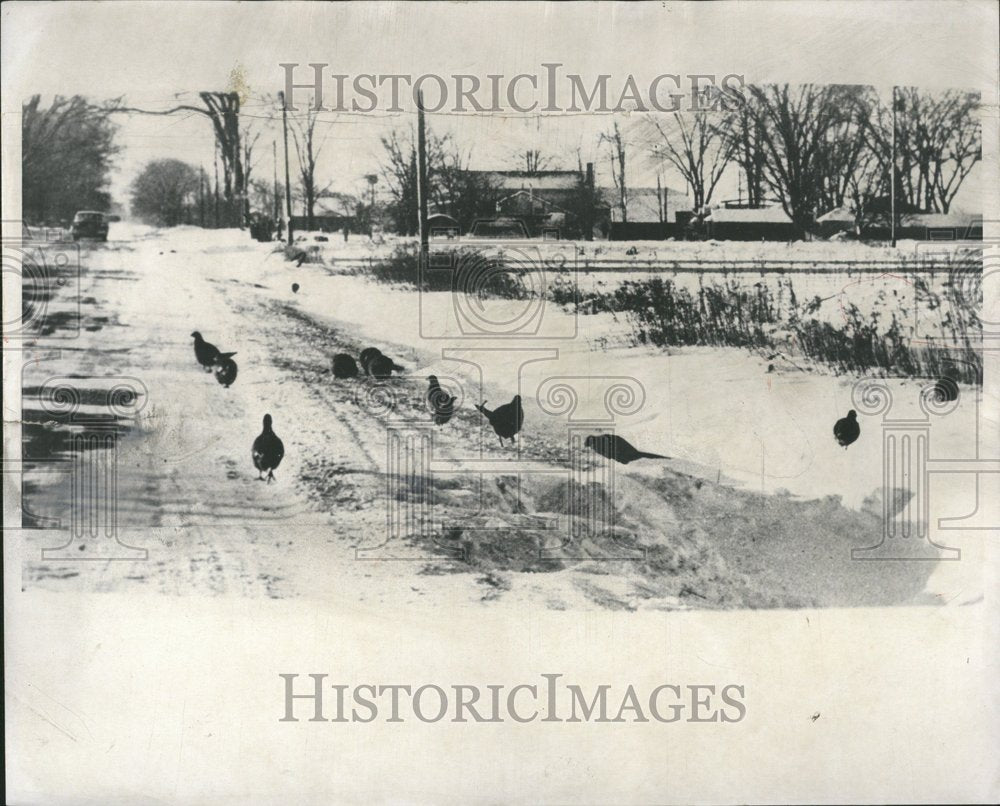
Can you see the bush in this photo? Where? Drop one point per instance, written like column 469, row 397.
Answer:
column 732, row 314
column 476, row 271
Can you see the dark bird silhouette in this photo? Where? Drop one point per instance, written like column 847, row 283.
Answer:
column 267, row 451
column 344, row 366
column 440, row 403
column 207, row 353
column 366, row 357
column 225, row 371
column 846, row 430
column 380, row 367
column 506, row 420
column 374, row 363
column 295, row 288
column 614, row 447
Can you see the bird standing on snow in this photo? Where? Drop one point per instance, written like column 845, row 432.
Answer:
column 611, row 446
column 267, row 451
column 442, row 405
column 376, row 364
column 367, row 355
column 344, row 366
column 380, row 367
column 295, row 288
column 225, row 370
column 506, row 420
column 846, row 430
column 207, row 353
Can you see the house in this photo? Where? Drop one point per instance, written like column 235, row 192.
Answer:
column 912, row 225
column 332, row 213
column 749, row 224
column 549, row 203
column 543, row 200
column 652, row 214
column 837, row 220
column 953, row 226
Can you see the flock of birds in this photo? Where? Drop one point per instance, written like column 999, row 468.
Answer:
column 267, row 450
column 506, row 420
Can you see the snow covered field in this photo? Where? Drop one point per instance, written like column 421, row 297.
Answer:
column 757, row 506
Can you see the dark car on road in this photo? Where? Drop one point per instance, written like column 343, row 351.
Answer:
column 89, row 224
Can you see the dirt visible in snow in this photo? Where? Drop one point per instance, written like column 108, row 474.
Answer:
column 189, row 495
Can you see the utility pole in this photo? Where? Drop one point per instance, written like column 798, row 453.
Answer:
column 288, row 184
column 276, row 204
column 892, row 174
column 422, row 173
column 372, row 179
column 216, row 161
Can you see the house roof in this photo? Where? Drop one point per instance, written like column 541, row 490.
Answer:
column 531, row 194
column 539, row 180
column 761, row 215
column 956, row 218
column 943, row 220
column 840, row 215
column 333, row 206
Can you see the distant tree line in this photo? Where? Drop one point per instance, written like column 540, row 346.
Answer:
column 67, row 152
column 166, row 193
column 810, row 148
column 818, row 147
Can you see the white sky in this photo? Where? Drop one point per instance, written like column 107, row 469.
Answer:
column 150, row 52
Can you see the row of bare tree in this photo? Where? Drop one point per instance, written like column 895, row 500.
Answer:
column 810, row 147
column 818, row 147
column 67, row 152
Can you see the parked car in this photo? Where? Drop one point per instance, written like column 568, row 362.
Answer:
column 89, row 224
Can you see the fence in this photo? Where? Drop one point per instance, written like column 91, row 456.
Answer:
column 683, row 266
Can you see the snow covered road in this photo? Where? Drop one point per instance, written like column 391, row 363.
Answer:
column 757, row 507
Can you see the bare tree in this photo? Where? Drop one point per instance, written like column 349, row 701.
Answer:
column 616, row 146
column 843, row 156
column 223, row 110
column 743, row 134
column 693, row 143
column 250, row 138
column 164, row 192
column 67, row 151
column 795, row 127
column 938, row 142
column 535, row 162
column 452, row 187
column 941, row 138
column 399, row 169
column 465, row 194
column 307, row 149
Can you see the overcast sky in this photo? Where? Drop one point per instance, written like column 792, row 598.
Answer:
column 154, row 53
